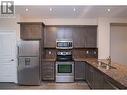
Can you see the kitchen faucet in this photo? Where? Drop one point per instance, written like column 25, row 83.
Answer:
column 109, row 62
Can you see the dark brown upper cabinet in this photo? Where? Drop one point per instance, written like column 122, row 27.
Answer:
column 50, row 36
column 60, row 33
column 82, row 36
column 91, row 37
column 31, row 30
column 68, row 33
column 64, row 32
column 79, row 38
column 53, row 33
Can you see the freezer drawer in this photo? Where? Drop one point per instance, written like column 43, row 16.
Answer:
column 28, row 71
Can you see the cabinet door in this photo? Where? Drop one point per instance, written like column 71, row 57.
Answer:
column 86, row 72
column 64, row 32
column 50, row 36
column 98, row 80
column 25, row 31
column 48, row 70
column 36, row 31
column 60, row 33
column 91, row 37
column 79, row 70
column 89, row 75
column 31, row 31
column 68, row 33
column 108, row 85
column 79, row 37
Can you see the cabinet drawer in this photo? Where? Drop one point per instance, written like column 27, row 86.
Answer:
column 47, row 65
column 47, row 70
column 47, row 74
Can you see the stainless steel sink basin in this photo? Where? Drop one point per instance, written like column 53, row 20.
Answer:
column 106, row 66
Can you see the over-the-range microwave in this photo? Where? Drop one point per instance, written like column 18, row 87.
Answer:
column 64, row 44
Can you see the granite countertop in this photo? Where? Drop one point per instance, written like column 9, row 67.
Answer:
column 118, row 72
column 48, row 59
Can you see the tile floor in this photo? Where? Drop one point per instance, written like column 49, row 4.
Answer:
column 80, row 85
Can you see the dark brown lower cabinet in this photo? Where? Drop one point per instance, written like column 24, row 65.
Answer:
column 108, row 84
column 47, row 71
column 89, row 75
column 79, row 70
column 96, row 79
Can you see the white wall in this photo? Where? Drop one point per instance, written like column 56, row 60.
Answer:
column 119, row 43
column 104, row 35
column 11, row 24
column 103, row 38
column 61, row 21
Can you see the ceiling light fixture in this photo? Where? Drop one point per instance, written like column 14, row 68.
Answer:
column 26, row 9
column 74, row 9
column 50, row 9
column 108, row 10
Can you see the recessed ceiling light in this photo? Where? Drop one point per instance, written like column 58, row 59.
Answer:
column 108, row 10
column 26, row 9
column 74, row 9
column 50, row 9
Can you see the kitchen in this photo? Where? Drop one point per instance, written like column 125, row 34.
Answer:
column 69, row 50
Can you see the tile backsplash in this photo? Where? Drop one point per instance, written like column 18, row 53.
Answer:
column 77, row 53
column 85, row 53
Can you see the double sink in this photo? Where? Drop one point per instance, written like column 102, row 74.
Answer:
column 105, row 64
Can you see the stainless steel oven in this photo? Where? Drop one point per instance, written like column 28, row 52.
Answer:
column 64, row 71
column 64, row 44
column 64, row 55
column 64, row 61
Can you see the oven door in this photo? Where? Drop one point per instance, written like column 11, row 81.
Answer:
column 65, row 68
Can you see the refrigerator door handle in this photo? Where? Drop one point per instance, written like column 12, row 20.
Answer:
column 18, row 54
column 12, row 60
column 18, row 49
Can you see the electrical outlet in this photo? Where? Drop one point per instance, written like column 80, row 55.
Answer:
column 87, row 52
column 94, row 52
column 50, row 52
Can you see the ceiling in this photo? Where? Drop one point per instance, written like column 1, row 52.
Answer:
column 47, row 12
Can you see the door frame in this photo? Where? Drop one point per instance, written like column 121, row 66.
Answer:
column 13, row 32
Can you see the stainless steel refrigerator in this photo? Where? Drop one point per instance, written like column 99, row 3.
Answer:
column 28, row 63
